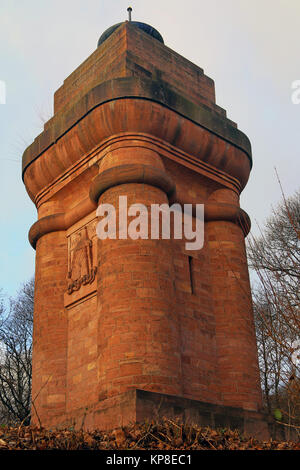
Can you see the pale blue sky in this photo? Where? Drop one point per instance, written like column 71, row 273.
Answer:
column 249, row 47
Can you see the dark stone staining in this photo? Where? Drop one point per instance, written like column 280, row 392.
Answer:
column 142, row 26
column 144, row 88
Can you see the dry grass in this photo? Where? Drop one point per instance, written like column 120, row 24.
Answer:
column 163, row 435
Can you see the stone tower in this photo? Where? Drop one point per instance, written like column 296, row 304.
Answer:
column 125, row 329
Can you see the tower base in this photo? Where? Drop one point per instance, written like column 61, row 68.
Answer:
column 137, row 405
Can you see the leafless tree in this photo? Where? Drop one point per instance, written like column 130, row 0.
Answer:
column 15, row 358
column 275, row 258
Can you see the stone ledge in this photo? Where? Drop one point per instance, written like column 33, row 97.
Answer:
column 146, row 89
column 191, row 411
column 131, row 173
column 140, row 405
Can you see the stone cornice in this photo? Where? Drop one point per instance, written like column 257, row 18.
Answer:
column 213, row 211
column 143, row 141
column 211, row 137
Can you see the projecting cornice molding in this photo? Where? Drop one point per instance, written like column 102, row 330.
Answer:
column 141, row 106
column 61, row 222
column 131, row 173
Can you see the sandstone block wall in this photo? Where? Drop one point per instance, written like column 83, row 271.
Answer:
column 114, row 316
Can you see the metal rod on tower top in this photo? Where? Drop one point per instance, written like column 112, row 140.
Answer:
column 129, row 9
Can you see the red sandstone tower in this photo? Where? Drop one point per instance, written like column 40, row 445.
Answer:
column 124, row 329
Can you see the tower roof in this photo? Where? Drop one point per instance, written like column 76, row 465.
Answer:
column 143, row 26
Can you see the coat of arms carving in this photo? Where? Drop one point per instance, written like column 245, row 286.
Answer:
column 82, row 270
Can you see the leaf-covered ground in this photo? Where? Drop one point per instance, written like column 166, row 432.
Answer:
column 165, row 435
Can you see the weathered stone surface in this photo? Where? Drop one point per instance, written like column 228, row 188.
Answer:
column 121, row 324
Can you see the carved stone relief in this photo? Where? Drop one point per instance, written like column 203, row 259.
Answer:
column 82, row 268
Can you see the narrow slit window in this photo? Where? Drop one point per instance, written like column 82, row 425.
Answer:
column 191, row 272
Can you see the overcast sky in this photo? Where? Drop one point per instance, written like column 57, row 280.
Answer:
column 250, row 48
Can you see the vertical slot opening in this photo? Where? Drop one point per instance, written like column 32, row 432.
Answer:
column 191, row 272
